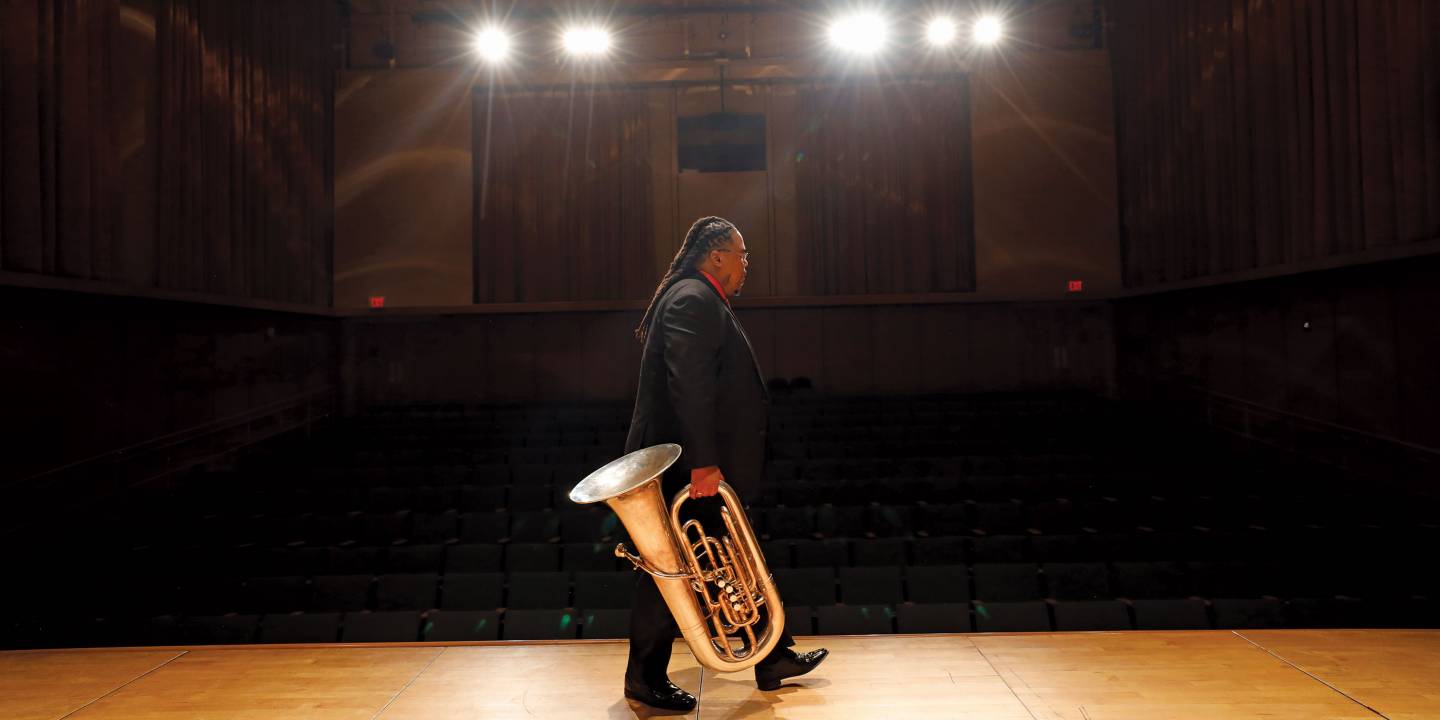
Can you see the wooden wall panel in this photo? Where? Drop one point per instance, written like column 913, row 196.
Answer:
column 946, row 337
column 847, row 354
column 1268, row 133
column 799, row 338
column 899, row 349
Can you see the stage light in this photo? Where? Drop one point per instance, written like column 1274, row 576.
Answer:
column 988, row 30
column 861, row 32
column 492, row 44
column 940, row 32
column 586, row 41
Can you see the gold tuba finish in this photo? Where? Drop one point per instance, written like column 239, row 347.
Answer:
column 719, row 589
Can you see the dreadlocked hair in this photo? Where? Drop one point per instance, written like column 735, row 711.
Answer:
column 708, row 233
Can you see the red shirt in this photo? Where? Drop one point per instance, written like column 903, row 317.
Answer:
column 717, row 285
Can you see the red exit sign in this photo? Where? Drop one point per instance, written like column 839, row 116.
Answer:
column 1075, row 285
column 377, row 301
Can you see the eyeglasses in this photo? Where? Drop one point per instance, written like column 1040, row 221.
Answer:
column 744, row 256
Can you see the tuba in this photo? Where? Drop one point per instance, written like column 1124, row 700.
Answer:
column 719, row 590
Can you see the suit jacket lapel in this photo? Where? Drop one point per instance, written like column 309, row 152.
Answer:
column 741, row 329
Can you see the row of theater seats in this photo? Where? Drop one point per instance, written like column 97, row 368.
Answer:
column 446, row 625
column 1253, row 546
column 812, row 586
column 904, row 514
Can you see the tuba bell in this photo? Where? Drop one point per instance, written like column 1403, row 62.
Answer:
column 719, row 589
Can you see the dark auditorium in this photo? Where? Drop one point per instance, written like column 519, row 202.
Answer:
column 400, row 359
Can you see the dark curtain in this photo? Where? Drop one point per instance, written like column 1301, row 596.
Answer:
column 883, row 188
column 207, row 168
column 563, row 200
column 1256, row 133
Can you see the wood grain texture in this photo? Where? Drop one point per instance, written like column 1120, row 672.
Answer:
column 1210, row 675
column 46, row 685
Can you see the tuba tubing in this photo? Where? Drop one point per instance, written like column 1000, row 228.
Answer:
column 685, row 580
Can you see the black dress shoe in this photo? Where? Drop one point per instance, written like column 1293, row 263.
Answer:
column 665, row 697
column 769, row 676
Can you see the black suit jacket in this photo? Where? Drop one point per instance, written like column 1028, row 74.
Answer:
column 700, row 386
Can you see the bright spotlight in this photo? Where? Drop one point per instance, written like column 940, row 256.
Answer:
column 492, row 44
column 861, row 32
column 940, row 31
column 989, row 30
column 587, row 41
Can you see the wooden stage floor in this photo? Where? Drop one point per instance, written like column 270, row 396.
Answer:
column 1307, row 674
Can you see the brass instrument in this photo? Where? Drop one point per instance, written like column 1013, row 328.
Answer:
column 719, row 590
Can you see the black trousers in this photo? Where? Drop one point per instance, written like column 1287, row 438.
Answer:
column 653, row 628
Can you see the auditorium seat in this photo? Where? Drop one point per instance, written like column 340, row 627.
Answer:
column 285, row 594
column 833, row 521
column 788, row 522
column 827, row 553
column 1054, row 517
column 355, row 560
column 589, row 556
column 1077, row 581
column 1170, row 614
column 534, row 526
column 371, row 627
column 948, row 550
column 435, row 528
column 879, row 551
column 531, row 557
column 871, row 585
column 777, row 553
column 220, row 629
column 605, row 624
column 473, row 558
column 527, row 496
column 934, row 618
column 1002, row 549
column 854, row 619
column 938, row 584
column 1011, row 617
column 891, row 521
column 800, row 619
column 540, row 624
column 1240, row 613
column 210, row 596
column 340, row 592
column 806, row 586
column 999, row 518
column 321, row 627
column 582, row 525
column 531, row 590
column 1150, row 580
column 484, row 527
column 472, row 591
column 1006, row 582
column 413, row 591
column 384, row 528
column 435, row 498
column 941, row 520
column 1091, row 615
column 605, row 589
column 460, row 625
column 414, row 559
column 481, row 498
column 1324, row 612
